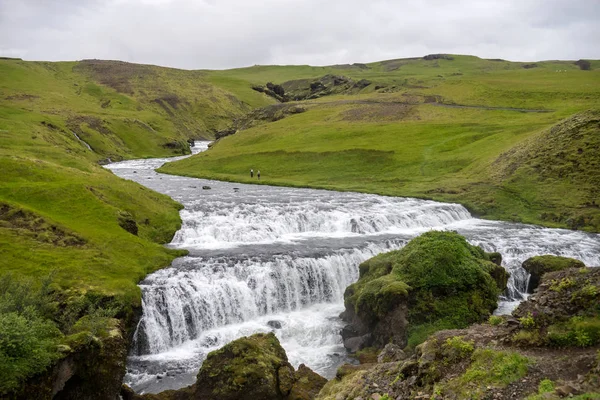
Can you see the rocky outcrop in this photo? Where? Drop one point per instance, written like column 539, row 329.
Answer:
column 249, row 368
column 539, row 265
column 548, row 349
column 272, row 113
column 307, row 89
column 437, row 280
column 92, row 367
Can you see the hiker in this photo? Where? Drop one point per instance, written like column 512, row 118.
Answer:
column 252, row 173
column 258, row 175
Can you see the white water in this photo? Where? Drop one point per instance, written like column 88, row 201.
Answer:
column 261, row 254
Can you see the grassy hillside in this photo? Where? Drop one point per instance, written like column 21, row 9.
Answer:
column 447, row 128
column 74, row 238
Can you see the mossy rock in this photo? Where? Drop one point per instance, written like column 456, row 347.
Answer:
column 253, row 367
column 307, row 384
column 539, row 265
column 438, row 281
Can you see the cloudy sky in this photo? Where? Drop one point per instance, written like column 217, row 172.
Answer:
column 219, row 34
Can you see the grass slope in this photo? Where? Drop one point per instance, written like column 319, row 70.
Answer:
column 63, row 215
column 447, row 129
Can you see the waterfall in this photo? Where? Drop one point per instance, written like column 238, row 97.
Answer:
column 279, row 259
column 201, row 294
column 222, row 224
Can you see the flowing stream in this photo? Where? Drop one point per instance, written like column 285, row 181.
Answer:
column 265, row 258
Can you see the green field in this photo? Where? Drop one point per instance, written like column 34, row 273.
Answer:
column 464, row 130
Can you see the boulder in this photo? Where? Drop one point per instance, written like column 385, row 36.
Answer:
column 274, row 324
column 254, row 367
column 390, row 353
column 437, row 279
column 307, row 384
column 539, row 265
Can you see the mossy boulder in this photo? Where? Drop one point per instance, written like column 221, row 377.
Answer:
column 437, row 281
column 255, row 367
column 539, row 265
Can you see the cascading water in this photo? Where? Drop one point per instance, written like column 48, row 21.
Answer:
column 279, row 259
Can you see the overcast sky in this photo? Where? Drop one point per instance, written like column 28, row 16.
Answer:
column 218, row 34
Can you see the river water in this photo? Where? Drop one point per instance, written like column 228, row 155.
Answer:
column 265, row 258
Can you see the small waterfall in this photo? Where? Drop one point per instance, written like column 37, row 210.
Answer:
column 201, row 294
column 222, row 224
column 82, row 141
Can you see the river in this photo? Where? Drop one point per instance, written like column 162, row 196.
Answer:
column 264, row 258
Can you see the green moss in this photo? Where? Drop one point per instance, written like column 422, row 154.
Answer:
column 381, row 294
column 495, row 320
column 250, row 366
column 445, row 281
column 488, row 368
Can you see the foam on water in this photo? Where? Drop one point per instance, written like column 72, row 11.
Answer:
column 260, row 254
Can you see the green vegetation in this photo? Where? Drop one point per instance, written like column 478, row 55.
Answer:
column 445, row 281
column 62, row 214
column 527, row 322
column 403, row 135
column 456, row 348
column 495, row 320
column 577, row 331
column 489, row 368
column 545, row 386
column 455, row 128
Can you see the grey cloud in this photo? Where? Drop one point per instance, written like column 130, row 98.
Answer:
column 233, row 33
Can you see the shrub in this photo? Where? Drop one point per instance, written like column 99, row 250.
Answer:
column 455, row 348
column 495, row 320
column 564, row 283
column 577, row 332
column 527, row 322
column 527, row 338
column 28, row 344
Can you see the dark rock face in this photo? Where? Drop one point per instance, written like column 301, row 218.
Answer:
column 127, row 222
column 584, row 65
column 307, row 384
column 538, row 266
column 562, row 294
column 438, row 57
column 438, row 278
column 391, row 353
column 93, row 369
column 529, row 66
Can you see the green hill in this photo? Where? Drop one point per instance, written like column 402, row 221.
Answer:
column 485, row 133
column 440, row 127
column 65, row 217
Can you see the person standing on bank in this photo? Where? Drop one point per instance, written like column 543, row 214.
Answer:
column 251, row 173
column 258, row 175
